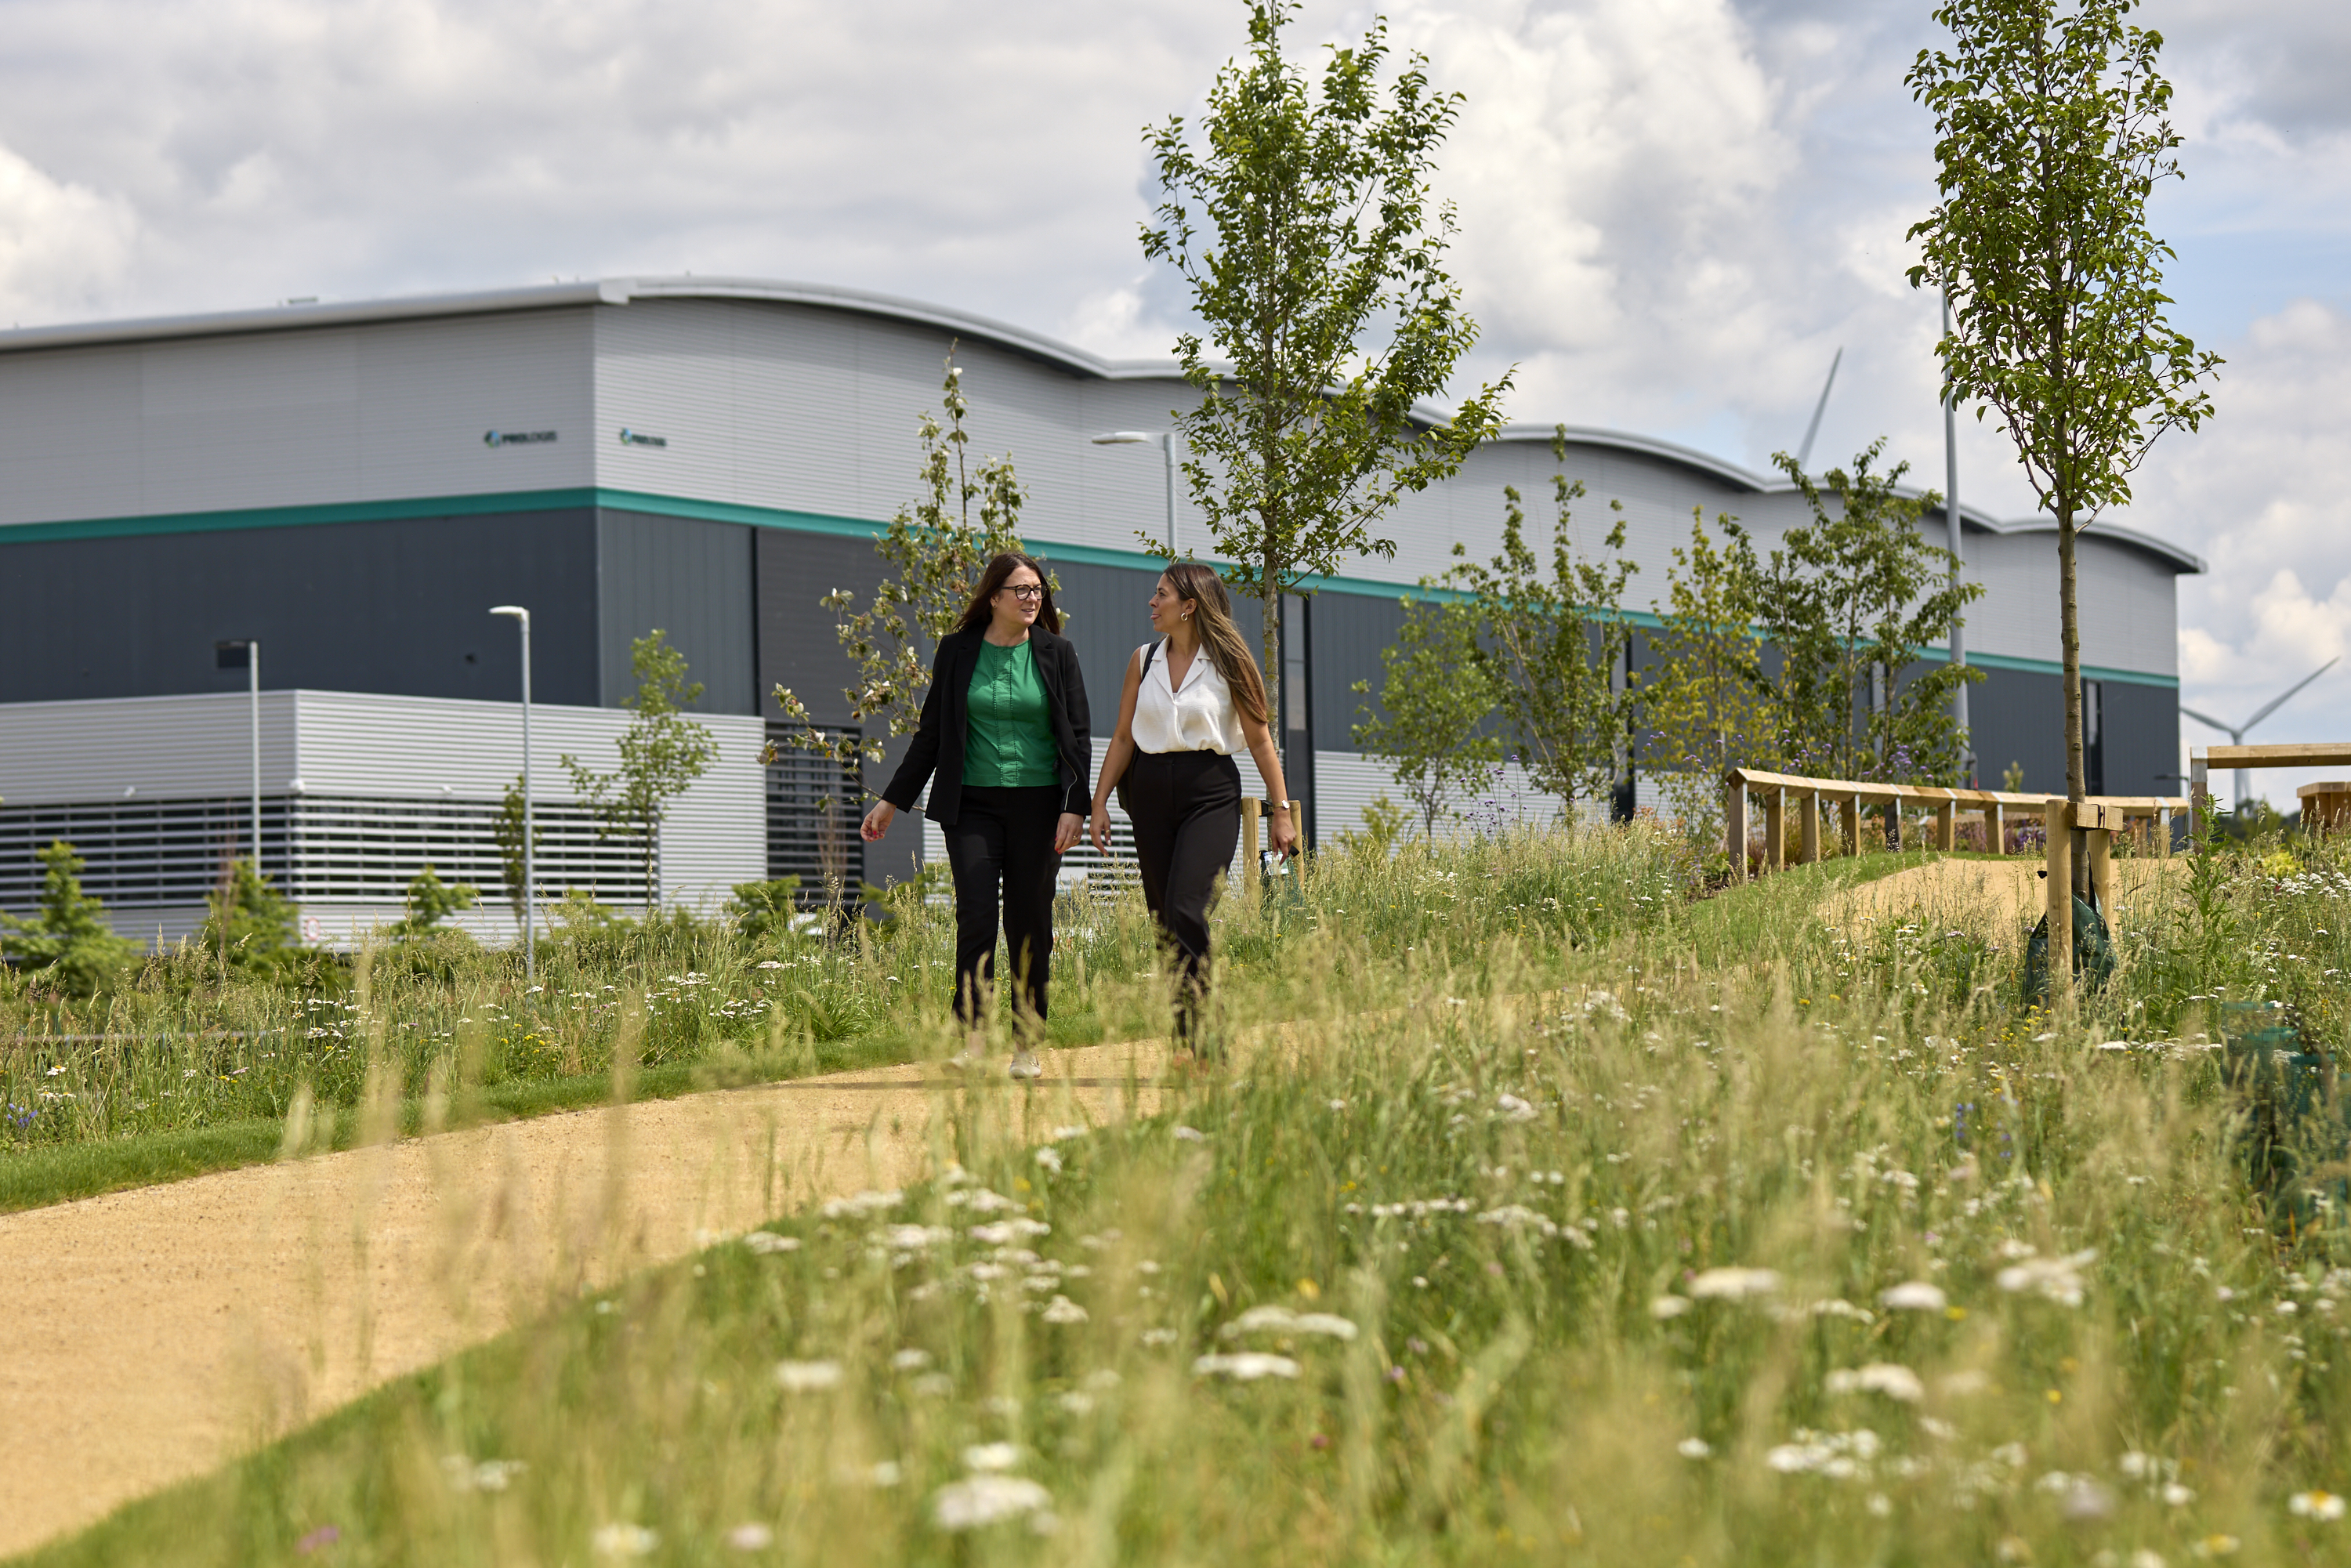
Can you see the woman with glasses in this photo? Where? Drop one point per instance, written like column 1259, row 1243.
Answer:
column 1004, row 745
column 1192, row 699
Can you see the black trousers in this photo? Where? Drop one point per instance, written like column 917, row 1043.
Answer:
column 1001, row 847
column 1186, row 811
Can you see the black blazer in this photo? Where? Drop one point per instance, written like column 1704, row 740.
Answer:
column 940, row 738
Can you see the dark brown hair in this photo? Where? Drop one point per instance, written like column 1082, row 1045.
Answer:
column 982, row 608
column 1212, row 618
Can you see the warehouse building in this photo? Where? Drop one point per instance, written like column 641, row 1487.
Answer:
column 352, row 487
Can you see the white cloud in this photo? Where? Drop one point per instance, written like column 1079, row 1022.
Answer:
column 62, row 245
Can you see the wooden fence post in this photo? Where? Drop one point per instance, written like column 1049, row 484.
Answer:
column 1734, row 827
column 2100, row 843
column 1996, row 828
column 2199, row 800
column 2057, row 821
column 1849, row 823
column 1808, row 829
column 1775, row 826
column 1947, row 827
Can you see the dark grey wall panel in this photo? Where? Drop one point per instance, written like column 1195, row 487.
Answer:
column 2019, row 715
column 1107, row 611
column 1350, row 630
column 397, row 606
column 691, row 579
column 797, row 646
column 2142, row 729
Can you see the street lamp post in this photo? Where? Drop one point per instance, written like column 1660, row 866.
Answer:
column 521, row 617
column 1959, row 553
column 1166, row 440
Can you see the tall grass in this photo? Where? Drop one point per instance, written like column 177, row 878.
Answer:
column 1538, row 1235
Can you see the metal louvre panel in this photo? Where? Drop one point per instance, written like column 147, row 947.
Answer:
column 715, row 834
column 812, row 817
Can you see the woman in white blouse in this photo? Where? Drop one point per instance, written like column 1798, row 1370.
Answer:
column 1192, row 699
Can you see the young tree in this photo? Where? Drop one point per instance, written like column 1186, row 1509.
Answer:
column 1301, row 219
column 1551, row 643
column 506, row 829
column 2050, row 119
column 248, row 925
column 69, row 941
column 1851, row 600
column 1435, row 697
column 932, row 554
column 1706, row 702
column 662, row 753
column 431, row 901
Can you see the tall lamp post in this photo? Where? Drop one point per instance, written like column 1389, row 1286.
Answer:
column 1166, row 440
column 1958, row 550
column 521, row 617
column 250, row 651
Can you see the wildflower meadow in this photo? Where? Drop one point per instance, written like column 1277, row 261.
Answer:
column 1552, row 1206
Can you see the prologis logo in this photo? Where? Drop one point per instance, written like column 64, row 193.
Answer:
column 639, row 438
column 517, row 437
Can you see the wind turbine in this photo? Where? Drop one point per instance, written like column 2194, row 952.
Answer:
column 2236, row 732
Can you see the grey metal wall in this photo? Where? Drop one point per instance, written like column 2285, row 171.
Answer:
column 394, row 606
column 2019, row 715
column 1350, row 630
column 690, row 578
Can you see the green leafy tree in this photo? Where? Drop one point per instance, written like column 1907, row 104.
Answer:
column 431, row 901
column 1435, row 696
column 1706, row 702
column 1301, row 216
column 1550, row 642
column 662, row 752
column 1853, row 599
column 506, row 829
column 68, row 943
column 247, row 926
column 933, row 554
column 2051, row 132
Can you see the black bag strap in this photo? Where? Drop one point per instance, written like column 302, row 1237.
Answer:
column 1150, row 652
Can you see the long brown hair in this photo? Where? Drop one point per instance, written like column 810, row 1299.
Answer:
column 982, row 608
column 1212, row 618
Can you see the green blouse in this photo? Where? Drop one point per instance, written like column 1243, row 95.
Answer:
column 1008, row 738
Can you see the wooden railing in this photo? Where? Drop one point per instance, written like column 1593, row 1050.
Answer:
column 2325, row 807
column 2100, row 818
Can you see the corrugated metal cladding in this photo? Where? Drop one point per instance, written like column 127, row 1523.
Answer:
column 394, row 606
column 303, row 417
column 2019, row 715
column 2129, row 602
column 357, row 758
column 691, row 580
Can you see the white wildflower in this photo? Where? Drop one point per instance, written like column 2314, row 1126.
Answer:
column 623, row 1541
column 1733, row 1284
column 990, row 1457
column 1513, row 1109
column 1191, row 1135
column 862, row 1205
column 1889, row 1378
column 2057, row 1279
column 2324, row 1506
column 1244, row 1366
column 807, row 1376
column 985, row 1500
column 1050, row 1158
column 1666, row 1307
column 915, row 1238
column 751, row 1536
column 1061, row 1309
column 1693, row 1448
column 910, row 1360
column 765, row 1242
column 1913, row 1296
column 1156, row 1337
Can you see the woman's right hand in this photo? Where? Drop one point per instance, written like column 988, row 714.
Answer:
column 1102, row 828
column 877, row 821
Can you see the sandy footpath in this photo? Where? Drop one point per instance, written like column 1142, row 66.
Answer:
column 154, row 1334
column 2006, row 889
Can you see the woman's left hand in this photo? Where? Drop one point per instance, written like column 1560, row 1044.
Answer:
column 1066, row 832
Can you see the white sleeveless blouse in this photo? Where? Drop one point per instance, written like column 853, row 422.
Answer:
column 1200, row 717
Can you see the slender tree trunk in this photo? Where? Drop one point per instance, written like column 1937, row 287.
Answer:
column 2070, row 632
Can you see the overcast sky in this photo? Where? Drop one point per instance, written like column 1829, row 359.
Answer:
column 1674, row 210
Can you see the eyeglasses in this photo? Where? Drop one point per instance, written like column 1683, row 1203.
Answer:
column 1025, row 591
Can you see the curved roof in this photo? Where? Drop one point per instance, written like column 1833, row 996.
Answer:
column 1048, row 351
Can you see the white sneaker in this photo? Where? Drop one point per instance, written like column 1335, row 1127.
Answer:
column 1025, row 1065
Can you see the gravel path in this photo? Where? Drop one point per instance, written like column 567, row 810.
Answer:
column 2009, row 888
column 154, row 1334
